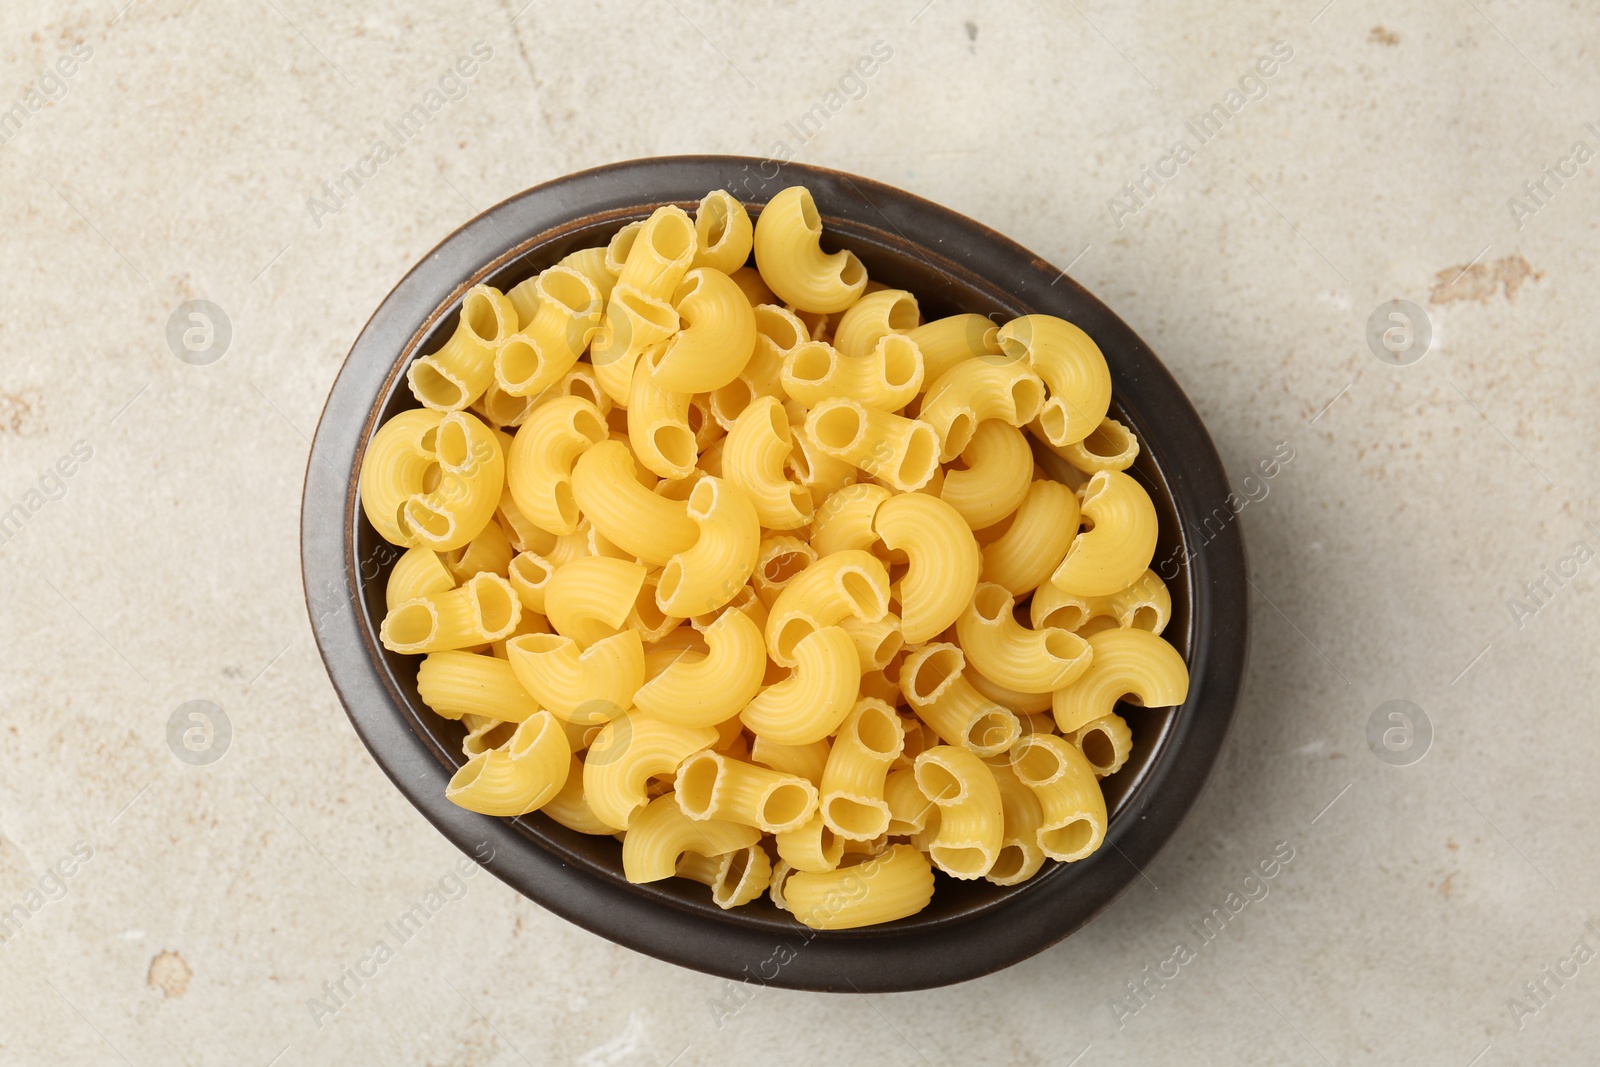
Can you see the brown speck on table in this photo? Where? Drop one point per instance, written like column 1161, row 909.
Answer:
column 1379, row 35
column 1480, row 281
column 170, row 973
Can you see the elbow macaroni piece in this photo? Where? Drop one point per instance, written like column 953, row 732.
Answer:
column 715, row 688
column 1071, row 364
column 418, row 572
column 1111, row 446
column 735, row 878
column 1144, row 605
column 658, row 424
column 1132, row 665
column 593, row 685
column 518, row 777
column 971, row 820
column 998, row 473
column 1033, row 545
column 589, row 599
column 1020, row 856
column 894, row 884
column 848, row 584
column 943, row 557
column 852, row 788
column 975, row 390
column 709, row 573
column 626, row 753
column 718, row 335
column 455, row 684
column 954, row 339
column 710, row 785
column 931, row 679
column 1118, row 548
column 886, row 378
column 559, row 311
column 723, row 233
column 877, row 315
column 753, row 458
column 662, row 250
column 903, row 452
column 462, row 369
column 1002, row 649
column 540, row 461
column 812, row 702
column 1105, row 742
column 634, row 322
column 1073, row 808
column 483, row 609
column 661, row 834
column 641, row 523
column 788, row 248
column 845, row 518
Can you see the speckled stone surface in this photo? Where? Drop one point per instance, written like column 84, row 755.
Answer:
column 1384, row 158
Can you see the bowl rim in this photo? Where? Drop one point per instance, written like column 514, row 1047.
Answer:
column 872, row 959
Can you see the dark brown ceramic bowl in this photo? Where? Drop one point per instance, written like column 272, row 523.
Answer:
column 952, row 264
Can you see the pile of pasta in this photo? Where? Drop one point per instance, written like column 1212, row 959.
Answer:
column 755, row 570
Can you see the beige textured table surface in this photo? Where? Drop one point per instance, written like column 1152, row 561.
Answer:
column 209, row 904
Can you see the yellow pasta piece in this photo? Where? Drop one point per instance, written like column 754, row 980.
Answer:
column 718, row 335
column 812, row 702
column 543, row 452
column 879, row 314
column 591, row 263
column 711, row 689
column 661, row 253
column 1029, row 661
column 1071, row 364
column 658, row 424
column 806, row 761
column 1119, row 545
column 711, row 572
column 457, row 374
column 711, row 786
column 954, row 339
column 975, row 390
column 810, row 847
column 1020, row 855
column 1036, row 540
column 723, row 232
column 559, row 310
column 519, row 776
column 418, row 572
column 1073, row 819
column 483, row 609
column 892, row 885
column 643, row 524
column 753, row 459
column 455, row 684
column 943, row 561
column 589, row 599
column 852, row 788
column 1105, row 742
column 847, row 584
column 735, row 878
column 886, row 377
column 1111, row 446
column 1144, row 605
column 490, row 551
column 789, row 255
column 903, row 452
column 845, row 518
column 595, row 684
column 998, row 473
column 471, row 475
column 661, row 834
column 778, row 332
column 626, row 753
column 934, row 686
column 634, row 322
column 971, row 822
column 877, row 641
column 1132, row 665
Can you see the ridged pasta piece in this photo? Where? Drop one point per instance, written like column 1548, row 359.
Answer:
column 559, row 310
column 995, row 481
column 1071, row 364
column 1131, row 665
column 877, row 641
column 483, row 609
column 591, row 263
column 1119, row 545
column 879, row 314
column 778, row 561
column 398, row 459
column 454, row 684
column 806, row 761
column 848, row 584
column 755, row 290
column 815, row 469
column 812, row 702
column 954, row 339
column 418, row 572
column 845, row 518
column 471, row 476
column 1105, row 742
column 593, row 685
column 908, row 808
column 643, row 524
column 735, row 878
column 1024, row 704
column 661, row 253
column 753, row 458
column 490, row 551
column 886, row 377
column 892, row 885
column 1036, row 540
column 543, row 452
column 519, row 776
column 852, row 789
column 660, row 834
column 778, row 332
column 499, row 408
column 626, row 753
column 723, row 233
column 658, row 424
column 934, row 686
column 1111, row 446
column 971, row 822
column 903, row 452
column 634, row 322
column 1146, row 604
column 569, row 808
column 943, row 561
column 459, row 372
column 709, row 573
column 1074, row 809
column 579, row 381
column 717, row 339
column 788, row 248
column 1020, row 855
column 530, row 574
column 1029, row 661
column 621, row 246
column 710, row 690
column 589, row 599
column 975, row 390
column 810, row 847
column 710, row 785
